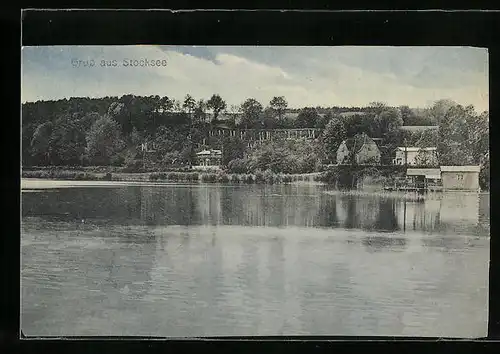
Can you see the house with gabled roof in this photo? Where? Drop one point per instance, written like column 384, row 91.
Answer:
column 362, row 148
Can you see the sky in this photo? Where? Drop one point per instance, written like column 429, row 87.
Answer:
column 305, row 76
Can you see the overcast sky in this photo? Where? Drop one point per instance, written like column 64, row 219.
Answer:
column 306, row 76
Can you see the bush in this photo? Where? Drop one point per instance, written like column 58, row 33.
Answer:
column 329, row 177
column 238, row 166
column 194, row 177
column 133, row 165
column 222, row 177
column 269, row 177
column 209, row 177
column 259, row 177
column 287, row 179
column 248, row 179
column 172, row 176
column 107, row 177
column 235, row 178
column 117, row 160
column 60, row 174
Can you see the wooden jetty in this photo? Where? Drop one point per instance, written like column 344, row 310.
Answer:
column 403, row 185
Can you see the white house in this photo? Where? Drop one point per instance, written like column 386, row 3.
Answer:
column 415, row 156
column 208, row 159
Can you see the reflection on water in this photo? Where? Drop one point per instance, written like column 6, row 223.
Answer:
column 252, row 260
column 274, row 206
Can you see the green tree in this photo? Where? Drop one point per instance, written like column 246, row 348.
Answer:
column 438, row 110
column 166, row 104
column 252, row 113
column 457, row 136
column 323, row 120
column 407, row 115
column 67, row 141
column 233, row 148
column 217, row 105
column 136, row 137
column 189, row 104
column 278, row 106
column 269, row 121
column 199, row 114
column 104, row 141
column 332, row 136
column 40, row 143
column 424, row 158
column 484, row 174
column 307, row 118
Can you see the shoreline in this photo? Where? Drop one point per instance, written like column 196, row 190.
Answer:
column 191, row 177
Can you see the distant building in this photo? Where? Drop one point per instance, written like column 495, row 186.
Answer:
column 424, row 177
column 414, row 156
column 208, row 159
column 365, row 150
column 460, row 177
column 449, row 177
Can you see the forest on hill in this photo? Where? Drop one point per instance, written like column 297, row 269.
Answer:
column 109, row 131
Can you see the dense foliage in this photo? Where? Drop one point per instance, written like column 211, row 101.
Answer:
column 112, row 131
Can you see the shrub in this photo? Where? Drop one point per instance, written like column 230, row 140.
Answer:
column 269, row 177
column 222, row 178
column 287, row 179
column 194, row 177
column 172, row 176
column 259, row 177
column 235, row 178
column 248, row 179
column 107, row 177
column 209, row 177
column 117, row 160
column 81, row 176
column 237, row 166
column 329, row 177
column 133, row 165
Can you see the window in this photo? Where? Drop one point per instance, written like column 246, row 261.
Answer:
column 460, row 177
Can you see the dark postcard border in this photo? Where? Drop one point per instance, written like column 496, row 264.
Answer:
column 259, row 28
column 481, row 29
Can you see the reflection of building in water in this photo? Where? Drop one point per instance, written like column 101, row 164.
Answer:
column 459, row 209
column 327, row 213
column 484, row 211
column 452, row 211
column 387, row 219
column 420, row 215
column 147, row 210
column 209, row 202
column 342, row 204
column 367, row 210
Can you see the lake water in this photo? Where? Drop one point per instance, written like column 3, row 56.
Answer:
column 211, row 260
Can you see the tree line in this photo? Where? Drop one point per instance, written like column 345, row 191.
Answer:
column 109, row 130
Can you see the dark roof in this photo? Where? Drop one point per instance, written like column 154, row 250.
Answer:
column 358, row 141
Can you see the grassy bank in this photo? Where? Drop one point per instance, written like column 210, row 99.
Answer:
column 340, row 176
column 266, row 177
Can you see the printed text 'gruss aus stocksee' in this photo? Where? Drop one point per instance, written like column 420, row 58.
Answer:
column 142, row 62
